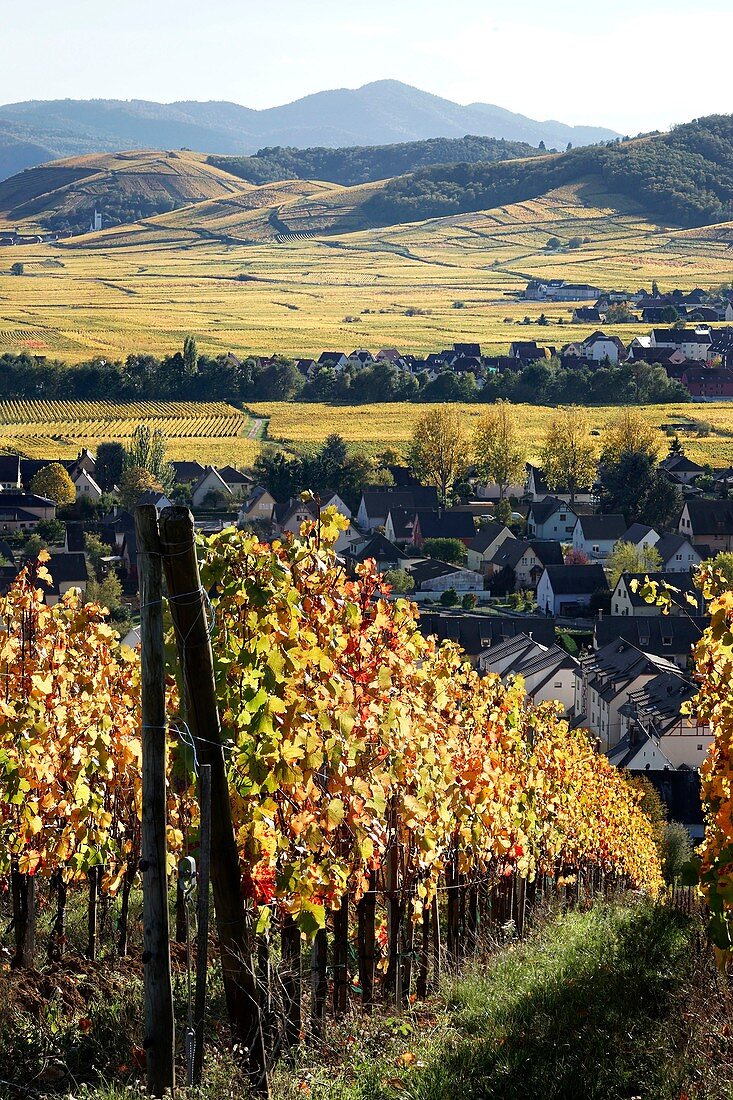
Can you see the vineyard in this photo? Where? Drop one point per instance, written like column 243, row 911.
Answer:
column 374, row 792
column 706, row 429
column 211, row 432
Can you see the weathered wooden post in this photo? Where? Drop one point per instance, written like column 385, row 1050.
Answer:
column 188, row 611
column 202, row 911
column 158, row 1015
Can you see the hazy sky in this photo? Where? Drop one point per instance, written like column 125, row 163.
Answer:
column 632, row 65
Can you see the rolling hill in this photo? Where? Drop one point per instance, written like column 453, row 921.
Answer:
column 382, row 112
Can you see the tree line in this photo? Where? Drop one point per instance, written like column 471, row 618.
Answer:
column 189, row 376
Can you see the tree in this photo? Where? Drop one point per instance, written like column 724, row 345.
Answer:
column 190, row 355
column 503, row 512
column 450, row 550
column 33, row 547
column 675, row 850
column 147, row 452
column 95, row 550
column 449, row 598
column 107, row 593
column 629, row 431
column 675, row 447
column 53, row 482
column 17, row 269
column 52, row 531
column 109, row 466
column 497, row 446
column 575, row 557
column 628, row 558
column 723, row 564
column 568, row 454
column 636, row 488
column 401, row 581
column 136, row 481
column 437, row 453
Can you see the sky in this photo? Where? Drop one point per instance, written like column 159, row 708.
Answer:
column 631, row 65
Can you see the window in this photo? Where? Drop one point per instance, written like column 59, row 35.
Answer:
column 699, row 748
column 678, row 557
column 558, row 683
column 563, row 519
column 596, row 549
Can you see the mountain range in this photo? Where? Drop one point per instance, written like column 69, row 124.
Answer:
column 379, row 113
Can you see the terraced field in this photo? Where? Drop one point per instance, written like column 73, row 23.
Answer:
column 212, row 433
column 418, row 286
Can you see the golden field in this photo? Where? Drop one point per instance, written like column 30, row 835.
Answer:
column 141, row 288
column 371, row 428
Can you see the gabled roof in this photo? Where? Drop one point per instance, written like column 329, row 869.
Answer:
column 541, row 510
column 378, row 502
column 567, row 580
column 476, row 633
column 232, row 476
column 186, row 472
column 67, row 569
column 602, row 527
column 669, row 545
column 219, row 482
column 488, row 534
column 16, row 499
column 637, row 533
column 402, row 522
column 681, row 336
column 680, row 584
column 679, row 464
column 710, row 516
column 377, row 547
column 446, row 524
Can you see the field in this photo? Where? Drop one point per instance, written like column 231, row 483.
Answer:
column 707, row 429
column 211, row 433
column 220, row 273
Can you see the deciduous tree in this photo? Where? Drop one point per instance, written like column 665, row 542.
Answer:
column 438, row 450
column 628, row 558
column 568, row 454
column 498, row 449
column 53, row 481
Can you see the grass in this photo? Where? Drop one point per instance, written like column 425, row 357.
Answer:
column 615, row 1002
column 220, row 274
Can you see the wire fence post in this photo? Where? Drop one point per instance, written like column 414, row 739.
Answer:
column 202, row 938
column 159, row 1022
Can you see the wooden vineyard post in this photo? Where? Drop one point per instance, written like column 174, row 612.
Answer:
column 93, row 912
column 366, row 935
column 291, row 981
column 341, row 957
column 202, row 919
column 437, row 943
column 319, row 982
column 158, row 1016
column 188, row 611
column 421, row 987
column 23, row 889
column 57, row 940
column 453, row 909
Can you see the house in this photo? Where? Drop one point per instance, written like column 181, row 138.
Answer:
column 86, row 487
column 551, row 518
column 528, row 351
column 709, row 522
column 398, row 525
column 85, row 461
column 186, row 473
column 549, row 672
column 677, row 553
column 596, row 536
column 444, row 523
column 557, row 290
column 239, row 484
column 522, row 561
column 605, row 681
column 211, row 490
column 536, row 488
column 432, row 575
column 10, row 478
column 600, row 348
column 683, row 468
column 67, row 571
column 330, row 499
column 29, row 507
column 156, row 498
column 640, row 535
column 657, row 709
column 708, row 383
column 588, row 315
column 360, row 358
column 74, row 537
column 260, row 505
column 290, row 515
column 693, row 343
column 128, row 553
column 477, row 634
column 670, row 636
column 484, row 545
column 569, row 589
column 378, row 548
column 334, row 359
column 377, row 503
column 626, row 598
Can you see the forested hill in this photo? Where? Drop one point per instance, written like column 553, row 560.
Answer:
column 352, row 165
column 681, row 178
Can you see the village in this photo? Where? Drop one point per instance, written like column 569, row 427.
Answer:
column 539, row 584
